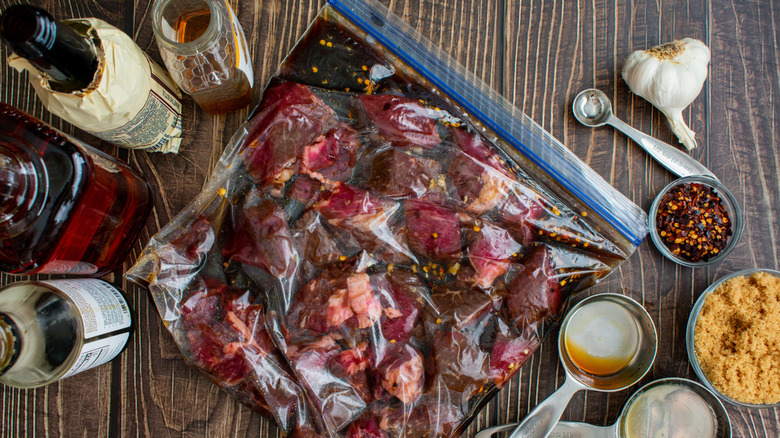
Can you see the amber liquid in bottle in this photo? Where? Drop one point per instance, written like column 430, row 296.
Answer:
column 90, row 207
column 234, row 94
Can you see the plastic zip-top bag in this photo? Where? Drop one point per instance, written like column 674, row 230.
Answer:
column 384, row 242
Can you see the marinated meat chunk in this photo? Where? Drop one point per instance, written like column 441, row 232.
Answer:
column 459, row 308
column 510, row 350
column 347, row 205
column 352, row 366
column 332, row 156
column 431, row 418
column 306, row 190
column 399, row 175
column 520, row 212
column 290, row 117
column 475, row 147
column 479, row 186
column 366, row 426
column 433, row 231
column 490, row 252
column 206, row 344
column 362, row 301
column 317, row 245
column 194, row 241
column 366, row 216
column 402, row 296
column 225, row 332
column 328, row 303
column 400, row 119
column 482, row 181
column 201, row 307
column 314, row 307
column 534, row 294
column 263, row 239
column 335, row 400
column 459, row 364
column 400, row 371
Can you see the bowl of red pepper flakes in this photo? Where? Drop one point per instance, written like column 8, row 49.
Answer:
column 695, row 221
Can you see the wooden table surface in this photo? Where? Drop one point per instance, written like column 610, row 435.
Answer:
column 537, row 53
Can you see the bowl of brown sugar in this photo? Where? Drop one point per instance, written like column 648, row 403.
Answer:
column 733, row 338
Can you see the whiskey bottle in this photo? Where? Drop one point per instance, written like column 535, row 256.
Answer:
column 65, row 208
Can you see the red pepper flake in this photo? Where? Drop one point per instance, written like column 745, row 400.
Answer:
column 693, row 222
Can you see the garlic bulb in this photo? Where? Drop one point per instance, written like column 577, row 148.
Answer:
column 670, row 76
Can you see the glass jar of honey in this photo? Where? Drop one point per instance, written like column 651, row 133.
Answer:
column 205, row 50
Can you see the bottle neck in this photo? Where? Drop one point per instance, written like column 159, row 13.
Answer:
column 23, row 187
column 10, row 343
column 67, row 58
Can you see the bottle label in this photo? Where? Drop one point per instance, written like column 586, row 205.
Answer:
column 97, row 352
column 158, row 121
column 102, row 308
column 242, row 49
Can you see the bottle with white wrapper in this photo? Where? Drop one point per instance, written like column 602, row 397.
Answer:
column 95, row 77
column 54, row 329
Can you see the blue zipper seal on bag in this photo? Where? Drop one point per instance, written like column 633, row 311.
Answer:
column 498, row 114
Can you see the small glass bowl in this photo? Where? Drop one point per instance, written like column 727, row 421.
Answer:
column 689, row 334
column 730, row 204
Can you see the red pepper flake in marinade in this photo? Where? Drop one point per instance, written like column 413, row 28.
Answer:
column 693, row 222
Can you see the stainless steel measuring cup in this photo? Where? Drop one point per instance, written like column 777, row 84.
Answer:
column 541, row 421
column 573, row 429
column 593, row 108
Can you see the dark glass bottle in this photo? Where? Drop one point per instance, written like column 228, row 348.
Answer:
column 64, row 206
column 68, row 58
column 54, row 329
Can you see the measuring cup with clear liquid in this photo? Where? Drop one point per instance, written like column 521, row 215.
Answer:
column 665, row 407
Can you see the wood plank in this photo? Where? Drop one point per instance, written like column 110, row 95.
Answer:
column 538, row 54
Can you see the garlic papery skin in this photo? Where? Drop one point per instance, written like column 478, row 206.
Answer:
column 670, row 76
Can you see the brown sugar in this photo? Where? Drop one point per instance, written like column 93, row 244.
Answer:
column 737, row 338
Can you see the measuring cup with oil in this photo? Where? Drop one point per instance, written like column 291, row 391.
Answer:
column 662, row 408
column 607, row 342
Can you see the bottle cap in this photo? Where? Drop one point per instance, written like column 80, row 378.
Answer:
column 10, row 343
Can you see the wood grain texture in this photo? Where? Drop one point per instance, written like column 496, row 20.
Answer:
column 538, row 54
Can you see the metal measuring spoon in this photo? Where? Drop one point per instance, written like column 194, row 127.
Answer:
column 541, row 421
column 574, row 429
column 593, row 108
